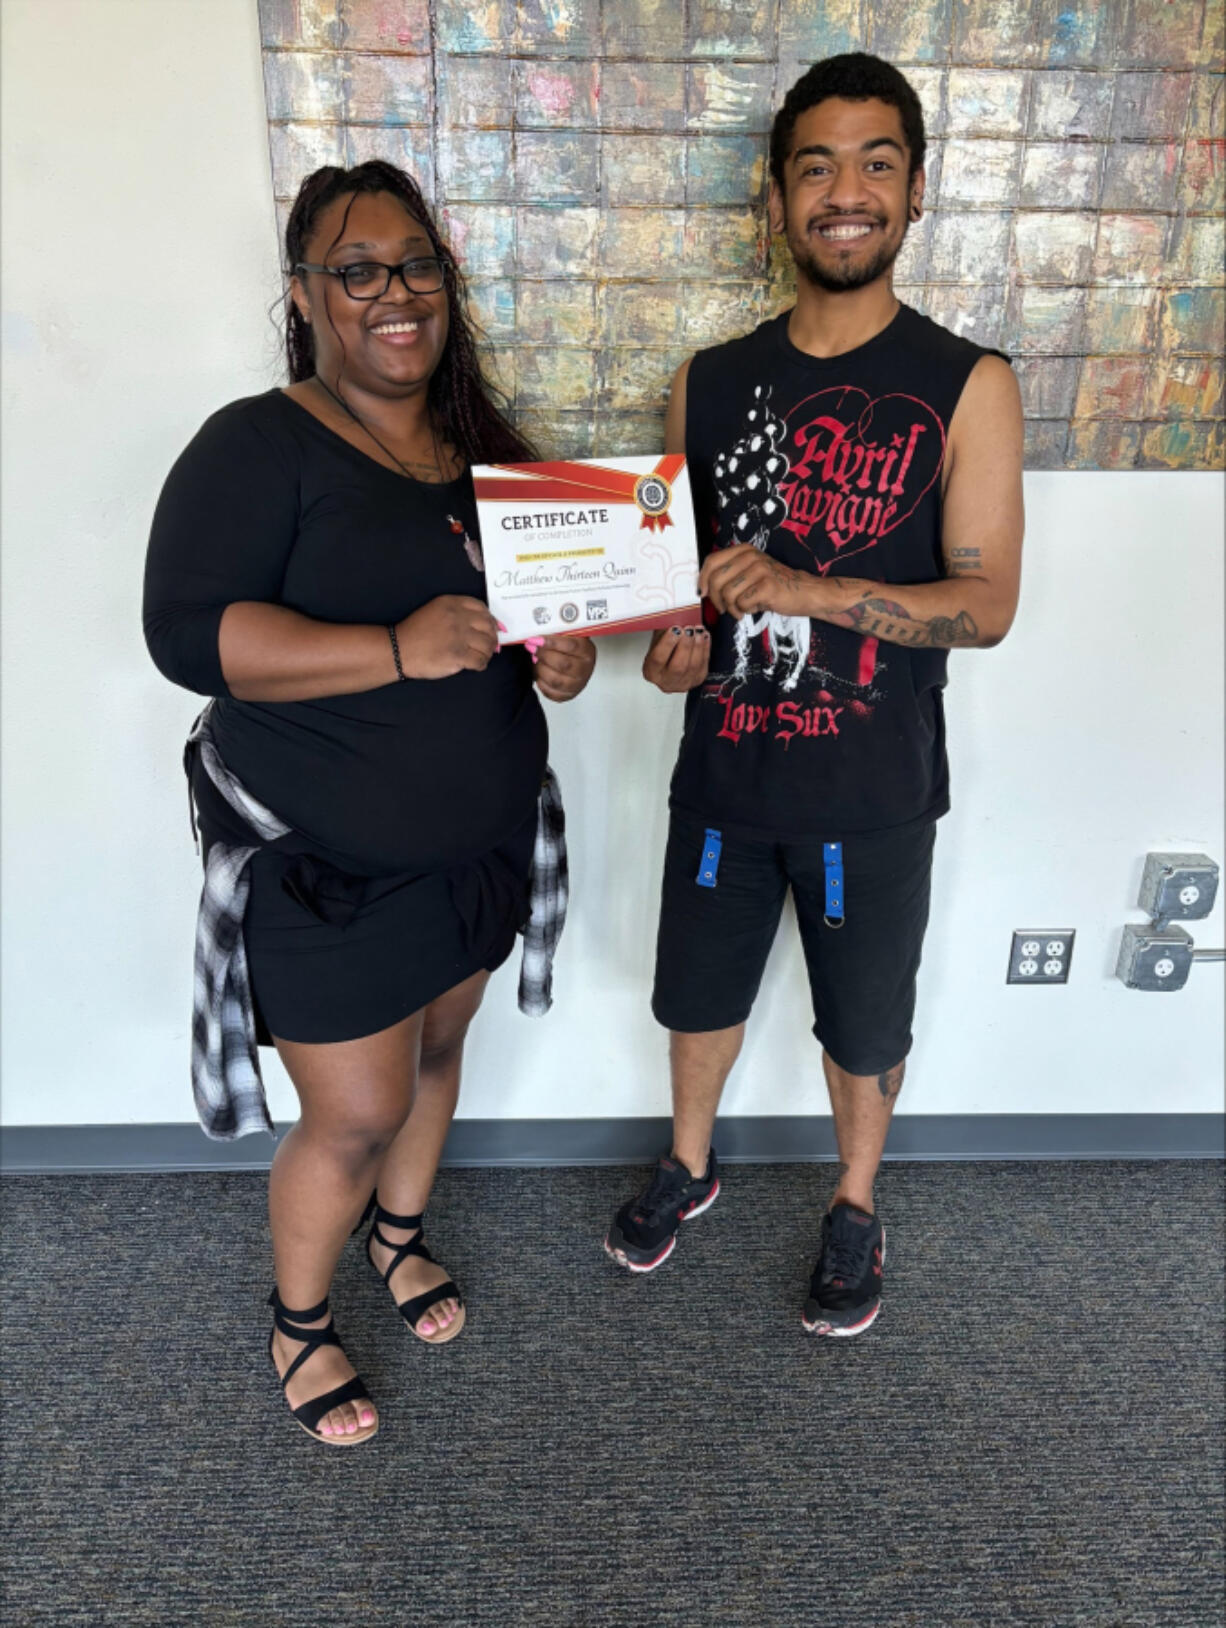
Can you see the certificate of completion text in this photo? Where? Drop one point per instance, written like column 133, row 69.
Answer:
column 587, row 546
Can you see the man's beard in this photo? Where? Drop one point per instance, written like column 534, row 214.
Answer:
column 850, row 275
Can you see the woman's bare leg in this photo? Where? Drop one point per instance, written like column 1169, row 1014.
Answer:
column 407, row 1173
column 355, row 1096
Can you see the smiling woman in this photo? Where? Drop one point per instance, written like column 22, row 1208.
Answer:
column 370, row 774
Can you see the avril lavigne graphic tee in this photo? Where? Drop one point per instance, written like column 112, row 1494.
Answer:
column 833, row 466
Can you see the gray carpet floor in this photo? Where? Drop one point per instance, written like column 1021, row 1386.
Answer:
column 1031, row 1434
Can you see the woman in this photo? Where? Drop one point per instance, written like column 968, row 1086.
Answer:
column 367, row 779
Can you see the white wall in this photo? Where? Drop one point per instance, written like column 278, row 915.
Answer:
column 1093, row 734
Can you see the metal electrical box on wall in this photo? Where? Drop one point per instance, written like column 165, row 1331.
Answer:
column 1178, row 887
column 1154, row 958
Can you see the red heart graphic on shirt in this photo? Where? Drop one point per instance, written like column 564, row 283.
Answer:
column 858, row 466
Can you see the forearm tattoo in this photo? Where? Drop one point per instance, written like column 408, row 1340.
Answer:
column 888, row 619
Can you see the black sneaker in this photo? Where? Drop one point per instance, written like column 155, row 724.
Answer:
column 644, row 1232
column 845, row 1290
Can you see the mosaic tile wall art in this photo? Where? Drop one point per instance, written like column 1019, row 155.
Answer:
column 600, row 169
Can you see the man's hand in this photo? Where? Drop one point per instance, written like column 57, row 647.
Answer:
column 677, row 659
column 564, row 663
column 743, row 581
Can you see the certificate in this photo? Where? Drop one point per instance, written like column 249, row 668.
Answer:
column 589, row 546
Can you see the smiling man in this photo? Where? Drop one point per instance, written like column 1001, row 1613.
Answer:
column 857, row 475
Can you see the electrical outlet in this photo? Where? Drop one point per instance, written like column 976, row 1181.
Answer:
column 1154, row 958
column 1040, row 955
column 1178, row 887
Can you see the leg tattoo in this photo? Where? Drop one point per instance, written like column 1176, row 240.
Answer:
column 890, row 1083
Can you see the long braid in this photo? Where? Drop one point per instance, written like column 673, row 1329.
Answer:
column 462, row 402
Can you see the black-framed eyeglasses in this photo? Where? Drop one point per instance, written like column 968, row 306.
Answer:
column 371, row 279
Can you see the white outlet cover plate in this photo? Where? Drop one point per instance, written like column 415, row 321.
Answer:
column 1040, row 955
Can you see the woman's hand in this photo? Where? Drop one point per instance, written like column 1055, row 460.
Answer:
column 678, row 659
column 564, row 663
column 447, row 636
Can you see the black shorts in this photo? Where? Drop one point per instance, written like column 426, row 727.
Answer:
column 714, row 941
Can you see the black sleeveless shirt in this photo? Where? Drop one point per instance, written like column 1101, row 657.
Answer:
column 804, row 730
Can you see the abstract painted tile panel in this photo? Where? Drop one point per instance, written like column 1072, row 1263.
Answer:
column 600, row 168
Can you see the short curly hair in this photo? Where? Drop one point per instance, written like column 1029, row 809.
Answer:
column 855, row 77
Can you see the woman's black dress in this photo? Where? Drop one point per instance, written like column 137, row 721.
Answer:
column 414, row 804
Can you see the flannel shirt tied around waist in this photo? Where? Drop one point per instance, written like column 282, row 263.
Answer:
column 226, row 1080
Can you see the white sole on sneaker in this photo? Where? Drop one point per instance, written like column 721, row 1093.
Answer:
column 623, row 1259
column 829, row 1331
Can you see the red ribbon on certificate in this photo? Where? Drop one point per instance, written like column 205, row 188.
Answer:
column 584, row 482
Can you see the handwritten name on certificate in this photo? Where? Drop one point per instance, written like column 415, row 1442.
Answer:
column 588, row 547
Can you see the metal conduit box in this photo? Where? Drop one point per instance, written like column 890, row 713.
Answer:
column 1154, row 958
column 1178, row 887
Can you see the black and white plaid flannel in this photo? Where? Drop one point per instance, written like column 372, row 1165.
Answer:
column 226, row 1079
column 548, row 895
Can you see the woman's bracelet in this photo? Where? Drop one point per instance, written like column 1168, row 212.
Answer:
column 391, row 633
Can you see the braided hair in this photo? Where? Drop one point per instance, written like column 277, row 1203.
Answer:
column 463, row 409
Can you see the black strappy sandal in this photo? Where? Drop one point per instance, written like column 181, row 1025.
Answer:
column 310, row 1413
column 415, row 1308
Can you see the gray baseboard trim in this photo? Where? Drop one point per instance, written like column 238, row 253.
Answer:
column 788, row 1139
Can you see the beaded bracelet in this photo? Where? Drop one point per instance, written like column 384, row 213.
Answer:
column 391, row 633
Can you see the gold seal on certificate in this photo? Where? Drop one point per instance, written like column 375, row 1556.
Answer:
column 588, row 546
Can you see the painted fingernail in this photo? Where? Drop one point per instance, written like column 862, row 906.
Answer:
column 675, row 631
column 502, row 626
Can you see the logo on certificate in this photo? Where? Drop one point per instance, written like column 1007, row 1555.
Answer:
column 540, row 615
column 569, row 612
column 598, row 610
column 653, row 494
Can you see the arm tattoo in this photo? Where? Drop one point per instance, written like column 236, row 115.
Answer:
column 887, row 619
column 890, row 1083
column 963, row 562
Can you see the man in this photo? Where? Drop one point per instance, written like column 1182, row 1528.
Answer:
column 857, row 479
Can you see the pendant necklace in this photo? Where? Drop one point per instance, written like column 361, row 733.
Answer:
column 472, row 547
column 366, row 429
